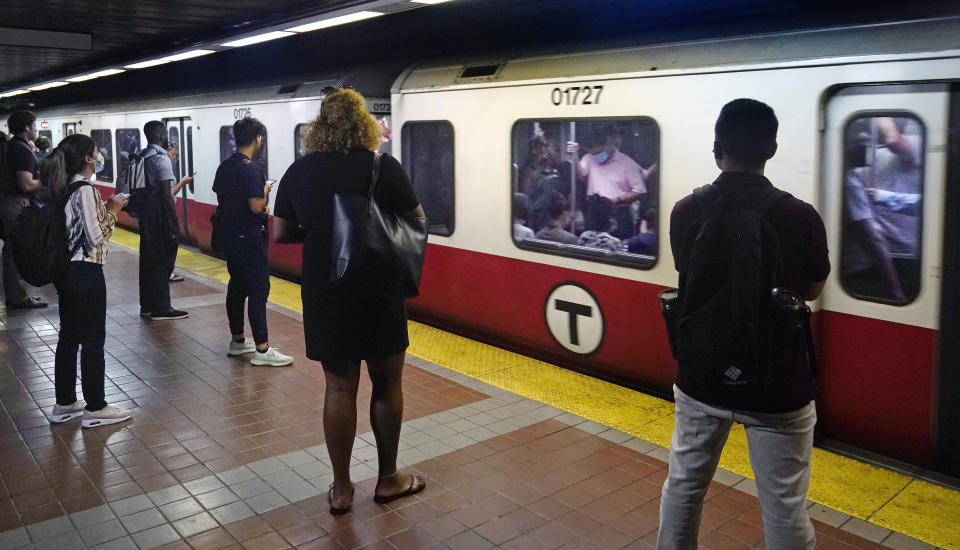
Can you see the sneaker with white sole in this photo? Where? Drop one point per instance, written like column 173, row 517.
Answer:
column 239, row 348
column 105, row 416
column 270, row 358
column 169, row 314
column 62, row 413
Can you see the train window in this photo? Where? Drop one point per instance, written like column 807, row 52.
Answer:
column 174, row 141
column 299, row 134
column 882, row 208
column 105, row 146
column 587, row 188
column 228, row 147
column 428, row 158
column 190, row 149
column 47, row 134
column 128, row 143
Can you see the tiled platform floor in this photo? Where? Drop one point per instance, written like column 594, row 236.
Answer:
column 223, row 454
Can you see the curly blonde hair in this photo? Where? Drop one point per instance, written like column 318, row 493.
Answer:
column 342, row 125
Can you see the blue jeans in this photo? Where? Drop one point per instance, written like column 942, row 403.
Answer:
column 249, row 271
column 780, row 447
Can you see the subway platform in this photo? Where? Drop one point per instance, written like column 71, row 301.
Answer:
column 517, row 453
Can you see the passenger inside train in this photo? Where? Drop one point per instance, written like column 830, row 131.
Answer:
column 882, row 214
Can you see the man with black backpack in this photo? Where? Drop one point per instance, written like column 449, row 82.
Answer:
column 19, row 180
column 748, row 255
column 159, row 227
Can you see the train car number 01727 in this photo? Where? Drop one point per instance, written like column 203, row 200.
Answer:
column 576, row 95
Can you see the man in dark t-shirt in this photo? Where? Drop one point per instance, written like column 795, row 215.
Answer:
column 242, row 194
column 779, row 422
column 22, row 181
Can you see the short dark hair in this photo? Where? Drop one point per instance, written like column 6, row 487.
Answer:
column 155, row 131
column 746, row 131
column 19, row 121
column 597, row 212
column 42, row 143
column 558, row 205
column 246, row 130
column 521, row 206
column 650, row 216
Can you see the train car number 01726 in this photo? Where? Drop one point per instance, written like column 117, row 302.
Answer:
column 576, row 95
column 242, row 112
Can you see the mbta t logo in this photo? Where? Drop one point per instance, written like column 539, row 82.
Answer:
column 574, row 317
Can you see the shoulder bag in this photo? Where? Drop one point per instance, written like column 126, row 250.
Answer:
column 375, row 251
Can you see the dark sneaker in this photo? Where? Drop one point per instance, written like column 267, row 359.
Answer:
column 29, row 303
column 145, row 314
column 168, row 314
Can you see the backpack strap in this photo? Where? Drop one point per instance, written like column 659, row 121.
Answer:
column 73, row 187
column 705, row 195
column 375, row 175
column 770, row 196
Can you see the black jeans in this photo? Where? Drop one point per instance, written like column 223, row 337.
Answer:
column 83, row 316
column 158, row 254
column 249, row 279
column 155, row 282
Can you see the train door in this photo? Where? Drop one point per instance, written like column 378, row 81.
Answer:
column 883, row 183
column 69, row 128
column 180, row 135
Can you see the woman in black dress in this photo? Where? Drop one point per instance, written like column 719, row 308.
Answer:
column 341, row 327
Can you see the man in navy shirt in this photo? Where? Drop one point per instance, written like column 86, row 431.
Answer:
column 242, row 194
column 22, row 181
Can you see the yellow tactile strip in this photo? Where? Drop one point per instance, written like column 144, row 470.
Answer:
column 895, row 501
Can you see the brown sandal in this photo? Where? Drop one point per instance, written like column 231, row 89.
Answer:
column 333, row 509
column 417, row 484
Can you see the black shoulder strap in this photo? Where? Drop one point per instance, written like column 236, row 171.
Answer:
column 375, row 175
column 770, row 196
column 73, row 187
column 705, row 195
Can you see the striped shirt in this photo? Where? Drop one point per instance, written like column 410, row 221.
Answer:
column 89, row 225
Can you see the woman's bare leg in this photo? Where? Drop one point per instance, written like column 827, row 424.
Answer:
column 386, row 416
column 340, row 425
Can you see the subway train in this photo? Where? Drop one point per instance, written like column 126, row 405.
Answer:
column 869, row 134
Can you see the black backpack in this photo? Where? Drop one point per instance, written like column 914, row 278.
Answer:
column 730, row 332
column 39, row 240
column 8, row 184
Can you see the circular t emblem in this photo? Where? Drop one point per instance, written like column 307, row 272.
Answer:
column 574, row 318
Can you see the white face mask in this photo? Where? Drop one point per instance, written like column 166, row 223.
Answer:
column 98, row 167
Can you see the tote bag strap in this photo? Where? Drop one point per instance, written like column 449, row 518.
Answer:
column 373, row 183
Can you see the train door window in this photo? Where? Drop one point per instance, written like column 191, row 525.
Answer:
column 173, row 140
column 128, row 143
column 105, row 146
column 880, row 245
column 428, row 159
column 299, row 135
column 587, row 188
column 69, row 128
column 228, row 146
column 47, row 134
column 190, row 149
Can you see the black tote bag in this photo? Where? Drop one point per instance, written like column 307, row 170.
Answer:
column 375, row 251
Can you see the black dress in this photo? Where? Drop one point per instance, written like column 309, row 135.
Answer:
column 340, row 325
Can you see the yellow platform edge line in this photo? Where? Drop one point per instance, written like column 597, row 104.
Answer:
column 895, row 501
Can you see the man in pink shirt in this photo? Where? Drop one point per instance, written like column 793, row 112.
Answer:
column 614, row 175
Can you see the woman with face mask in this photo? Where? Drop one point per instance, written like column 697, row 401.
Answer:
column 82, row 291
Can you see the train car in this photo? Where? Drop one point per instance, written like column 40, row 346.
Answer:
column 868, row 131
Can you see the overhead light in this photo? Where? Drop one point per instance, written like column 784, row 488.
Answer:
column 265, row 37
column 47, row 85
column 98, row 74
column 170, row 58
column 44, row 124
column 428, row 1
column 334, row 21
column 14, row 92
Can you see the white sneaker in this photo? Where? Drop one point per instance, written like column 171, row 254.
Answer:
column 105, row 416
column 235, row 348
column 62, row 413
column 270, row 358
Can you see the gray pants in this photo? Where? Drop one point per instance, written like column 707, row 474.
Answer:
column 780, row 447
column 13, row 285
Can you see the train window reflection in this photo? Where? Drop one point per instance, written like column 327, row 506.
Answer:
column 882, row 208
column 428, row 159
column 174, row 143
column 299, row 135
column 128, row 143
column 587, row 188
column 228, row 147
column 105, row 146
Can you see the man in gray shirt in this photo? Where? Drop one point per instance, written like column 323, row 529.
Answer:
column 159, row 228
